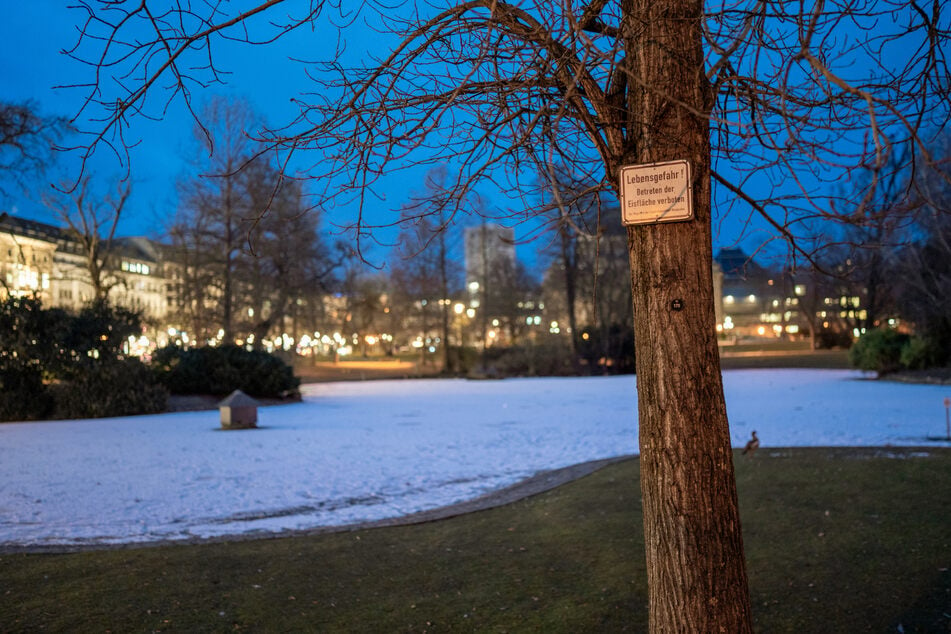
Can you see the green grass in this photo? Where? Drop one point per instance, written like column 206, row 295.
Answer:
column 837, row 540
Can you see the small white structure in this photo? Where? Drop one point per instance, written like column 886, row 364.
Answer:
column 238, row 411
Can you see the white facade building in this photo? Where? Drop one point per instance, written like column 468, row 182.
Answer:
column 43, row 260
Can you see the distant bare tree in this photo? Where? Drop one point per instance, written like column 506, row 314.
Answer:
column 924, row 264
column 508, row 285
column 924, row 298
column 768, row 101
column 573, row 210
column 246, row 239
column 284, row 261
column 872, row 231
column 424, row 270
column 27, row 141
column 195, row 308
column 364, row 292
column 92, row 223
column 215, row 212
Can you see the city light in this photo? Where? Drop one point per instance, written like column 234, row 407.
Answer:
column 761, row 307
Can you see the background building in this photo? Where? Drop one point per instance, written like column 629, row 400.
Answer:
column 44, row 261
column 488, row 247
column 27, row 250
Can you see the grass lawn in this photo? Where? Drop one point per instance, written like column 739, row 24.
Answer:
column 837, row 540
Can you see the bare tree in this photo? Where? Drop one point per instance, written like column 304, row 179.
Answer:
column 243, row 271
column 192, row 242
column 508, row 285
column 589, row 255
column 365, row 295
column 424, row 270
column 92, row 223
column 285, row 261
column 872, row 232
column 215, row 201
column 27, row 140
column 573, row 210
column 783, row 96
column 924, row 266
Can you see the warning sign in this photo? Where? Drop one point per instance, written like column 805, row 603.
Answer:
column 656, row 192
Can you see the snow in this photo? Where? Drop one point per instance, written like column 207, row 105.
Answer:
column 354, row 452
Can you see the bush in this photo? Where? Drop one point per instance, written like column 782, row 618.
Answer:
column 221, row 370
column 23, row 396
column 539, row 360
column 462, row 360
column 96, row 335
column 831, row 339
column 916, row 354
column 31, row 337
column 71, row 365
column 608, row 350
column 114, row 387
column 878, row 351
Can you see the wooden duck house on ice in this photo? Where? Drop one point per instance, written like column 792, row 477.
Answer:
column 238, row 411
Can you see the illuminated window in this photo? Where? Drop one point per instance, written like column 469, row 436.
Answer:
column 135, row 267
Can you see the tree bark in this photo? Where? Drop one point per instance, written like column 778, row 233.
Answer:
column 444, row 294
column 569, row 261
column 696, row 570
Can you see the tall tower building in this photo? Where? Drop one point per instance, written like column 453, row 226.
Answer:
column 488, row 247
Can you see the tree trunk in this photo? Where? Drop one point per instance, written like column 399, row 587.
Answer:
column 696, row 570
column 569, row 262
column 444, row 299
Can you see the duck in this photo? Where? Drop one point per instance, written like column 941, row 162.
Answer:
column 752, row 445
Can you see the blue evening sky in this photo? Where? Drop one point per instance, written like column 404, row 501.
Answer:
column 32, row 36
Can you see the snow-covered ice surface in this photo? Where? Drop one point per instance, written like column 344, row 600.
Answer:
column 354, row 452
